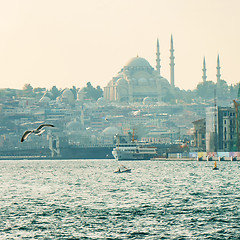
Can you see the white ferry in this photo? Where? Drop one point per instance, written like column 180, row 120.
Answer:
column 134, row 151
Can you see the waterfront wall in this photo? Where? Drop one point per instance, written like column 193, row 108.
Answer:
column 206, row 155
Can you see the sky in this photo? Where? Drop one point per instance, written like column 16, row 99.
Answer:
column 67, row 43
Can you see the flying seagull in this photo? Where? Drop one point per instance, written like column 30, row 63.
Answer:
column 38, row 131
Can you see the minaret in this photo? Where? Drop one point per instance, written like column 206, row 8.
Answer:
column 172, row 63
column 158, row 66
column 204, row 76
column 218, row 70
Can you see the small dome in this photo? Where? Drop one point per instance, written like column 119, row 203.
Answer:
column 138, row 62
column 81, row 94
column 48, row 94
column 112, row 131
column 45, row 99
column 74, row 125
column 147, row 100
column 163, row 80
column 122, row 82
column 67, row 92
column 68, row 95
column 101, row 101
column 110, row 83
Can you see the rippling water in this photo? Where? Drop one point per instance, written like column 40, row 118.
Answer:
column 82, row 199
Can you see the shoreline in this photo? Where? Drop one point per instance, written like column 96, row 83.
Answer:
column 152, row 159
column 196, row 159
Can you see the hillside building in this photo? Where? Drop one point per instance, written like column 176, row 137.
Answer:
column 138, row 80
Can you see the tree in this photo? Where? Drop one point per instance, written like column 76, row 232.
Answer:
column 27, row 87
column 28, row 90
column 39, row 91
column 55, row 92
column 93, row 93
column 234, row 91
column 8, row 92
column 74, row 91
column 206, row 89
column 183, row 95
column 99, row 92
column 222, row 89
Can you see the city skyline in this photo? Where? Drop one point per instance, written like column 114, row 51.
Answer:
column 71, row 43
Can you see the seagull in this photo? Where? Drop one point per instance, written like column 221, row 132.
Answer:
column 38, row 131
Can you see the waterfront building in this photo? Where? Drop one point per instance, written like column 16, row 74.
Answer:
column 199, row 135
column 220, row 129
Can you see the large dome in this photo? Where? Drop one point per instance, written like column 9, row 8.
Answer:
column 138, row 62
column 135, row 81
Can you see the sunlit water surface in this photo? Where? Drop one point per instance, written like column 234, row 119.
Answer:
column 84, row 199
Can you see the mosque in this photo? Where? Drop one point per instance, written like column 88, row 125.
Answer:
column 138, row 81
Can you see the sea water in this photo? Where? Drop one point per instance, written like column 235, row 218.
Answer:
column 84, row 199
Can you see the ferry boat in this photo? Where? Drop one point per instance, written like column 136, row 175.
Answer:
column 134, row 151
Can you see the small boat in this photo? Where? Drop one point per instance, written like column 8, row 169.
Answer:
column 215, row 166
column 123, row 170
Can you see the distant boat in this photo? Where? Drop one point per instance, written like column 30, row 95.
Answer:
column 123, row 170
column 215, row 166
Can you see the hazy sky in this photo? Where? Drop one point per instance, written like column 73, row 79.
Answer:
column 72, row 42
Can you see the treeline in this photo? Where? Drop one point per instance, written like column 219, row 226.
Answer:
column 204, row 91
column 53, row 93
column 208, row 90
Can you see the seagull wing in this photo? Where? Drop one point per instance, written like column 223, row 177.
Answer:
column 44, row 125
column 25, row 135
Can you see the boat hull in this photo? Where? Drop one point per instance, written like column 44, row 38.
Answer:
column 124, row 171
column 127, row 156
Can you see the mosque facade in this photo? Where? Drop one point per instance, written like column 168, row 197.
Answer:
column 138, row 80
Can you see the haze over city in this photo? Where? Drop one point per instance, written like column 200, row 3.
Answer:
column 66, row 43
